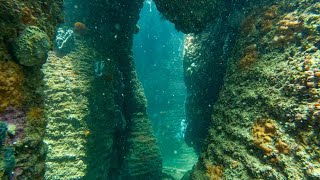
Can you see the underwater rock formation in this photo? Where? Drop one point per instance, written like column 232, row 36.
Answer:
column 190, row 16
column 265, row 121
column 108, row 134
column 67, row 90
column 204, row 68
column 143, row 156
column 31, row 46
column 16, row 15
column 21, row 85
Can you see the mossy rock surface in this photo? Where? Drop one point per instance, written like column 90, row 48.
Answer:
column 32, row 46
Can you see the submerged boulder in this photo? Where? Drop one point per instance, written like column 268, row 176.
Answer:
column 32, row 46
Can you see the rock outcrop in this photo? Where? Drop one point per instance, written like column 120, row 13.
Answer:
column 265, row 121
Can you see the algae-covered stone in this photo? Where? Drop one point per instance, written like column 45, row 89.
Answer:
column 32, row 46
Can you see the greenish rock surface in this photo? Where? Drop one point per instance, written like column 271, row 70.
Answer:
column 142, row 153
column 32, row 46
column 265, row 122
column 205, row 58
column 15, row 16
column 97, row 122
column 8, row 160
column 67, row 90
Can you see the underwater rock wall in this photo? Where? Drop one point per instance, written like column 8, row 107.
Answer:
column 142, row 153
column 206, row 54
column 21, row 99
column 205, row 58
column 86, row 102
column 190, row 16
column 138, row 155
column 109, row 131
column 265, row 123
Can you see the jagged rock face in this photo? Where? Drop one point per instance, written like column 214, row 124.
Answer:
column 142, row 155
column 94, row 106
column 190, row 16
column 112, row 130
column 265, row 121
column 205, row 59
column 22, row 84
column 15, row 16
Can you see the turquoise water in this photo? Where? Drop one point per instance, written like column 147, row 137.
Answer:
column 158, row 53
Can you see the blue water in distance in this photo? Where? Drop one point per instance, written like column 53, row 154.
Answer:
column 157, row 50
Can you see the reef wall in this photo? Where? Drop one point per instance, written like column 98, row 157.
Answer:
column 265, row 122
column 211, row 28
column 83, row 98
column 27, row 29
column 205, row 58
column 109, row 129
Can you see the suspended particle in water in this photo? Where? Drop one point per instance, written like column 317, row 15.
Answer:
column 117, row 26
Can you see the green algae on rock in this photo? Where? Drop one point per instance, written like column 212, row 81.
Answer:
column 32, row 46
column 67, row 86
column 265, row 122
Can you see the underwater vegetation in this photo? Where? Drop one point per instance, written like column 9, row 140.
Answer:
column 8, row 162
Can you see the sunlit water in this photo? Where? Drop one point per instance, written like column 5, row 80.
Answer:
column 158, row 56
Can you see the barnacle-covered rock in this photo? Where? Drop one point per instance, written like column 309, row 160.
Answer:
column 32, row 46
